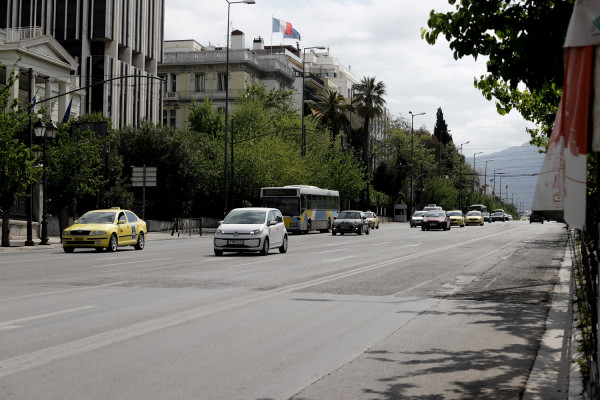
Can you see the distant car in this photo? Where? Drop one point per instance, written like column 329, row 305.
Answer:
column 350, row 221
column 474, row 218
column 105, row 229
column 372, row 219
column 437, row 219
column 509, row 217
column 456, row 218
column 498, row 216
column 431, row 207
column 251, row 229
column 534, row 217
column 417, row 218
column 486, row 217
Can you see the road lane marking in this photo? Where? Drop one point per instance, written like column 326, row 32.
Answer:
column 129, row 262
column 40, row 316
column 63, row 291
column 42, row 357
column 30, row 260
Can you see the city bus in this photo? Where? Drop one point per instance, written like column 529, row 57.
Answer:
column 304, row 208
column 477, row 207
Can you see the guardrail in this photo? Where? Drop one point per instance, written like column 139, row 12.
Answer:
column 187, row 225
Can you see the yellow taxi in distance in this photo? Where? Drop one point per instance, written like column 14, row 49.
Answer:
column 105, row 229
column 474, row 218
column 456, row 218
column 372, row 219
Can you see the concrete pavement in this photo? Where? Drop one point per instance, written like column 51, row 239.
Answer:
column 554, row 376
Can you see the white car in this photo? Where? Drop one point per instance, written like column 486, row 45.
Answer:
column 251, row 229
column 417, row 218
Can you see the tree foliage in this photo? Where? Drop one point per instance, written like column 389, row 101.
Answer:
column 331, row 111
column 523, row 42
column 368, row 102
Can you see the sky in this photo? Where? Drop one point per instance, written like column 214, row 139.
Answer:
column 375, row 38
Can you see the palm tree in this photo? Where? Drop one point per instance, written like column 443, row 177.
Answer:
column 368, row 102
column 330, row 112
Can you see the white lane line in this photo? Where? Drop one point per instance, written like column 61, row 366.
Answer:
column 63, row 291
column 129, row 262
column 30, row 260
column 332, row 250
column 104, row 339
column 34, row 317
column 380, row 243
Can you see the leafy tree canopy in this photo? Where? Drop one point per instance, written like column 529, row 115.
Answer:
column 523, row 42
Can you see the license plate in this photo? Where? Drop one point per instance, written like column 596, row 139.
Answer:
column 235, row 242
column 78, row 238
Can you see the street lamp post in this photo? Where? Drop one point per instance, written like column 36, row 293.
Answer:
column 460, row 176
column 412, row 167
column 485, row 178
column 474, row 154
column 303, row 89
column 46, row 131
column 225, row 187
column 494, row 189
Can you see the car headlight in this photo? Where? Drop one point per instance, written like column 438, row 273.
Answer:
column 96, row 233
column 256, row 231
column 66, row 233
column 220, row 231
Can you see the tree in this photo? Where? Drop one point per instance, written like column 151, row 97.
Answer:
column 523, row 40
column 74, row 166
column 17, row 171
column 368, row 102
column 440, row 131
column 331, row 112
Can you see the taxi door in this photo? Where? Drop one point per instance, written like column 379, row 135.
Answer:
column 126, row 231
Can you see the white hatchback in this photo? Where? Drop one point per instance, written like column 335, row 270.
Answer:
column 251, row 229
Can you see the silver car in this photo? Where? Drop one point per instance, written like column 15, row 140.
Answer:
column 251, row 229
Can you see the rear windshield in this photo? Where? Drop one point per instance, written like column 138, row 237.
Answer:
column 435, row 214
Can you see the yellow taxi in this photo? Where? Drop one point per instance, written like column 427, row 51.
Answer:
column 372, row 219
column 105, row 229
column 456, row 218
column 474, row 218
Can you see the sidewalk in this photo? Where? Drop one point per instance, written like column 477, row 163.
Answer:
column 554, row 375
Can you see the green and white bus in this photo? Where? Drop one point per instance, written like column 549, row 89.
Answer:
column 304, row 208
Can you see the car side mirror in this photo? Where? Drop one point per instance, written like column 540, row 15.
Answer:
column 271, row 222
column 121, row 221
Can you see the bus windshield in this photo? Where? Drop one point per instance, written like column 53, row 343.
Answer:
column 289, row 206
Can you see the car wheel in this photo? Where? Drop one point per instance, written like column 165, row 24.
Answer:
column 341, row 233
column 265, row 249
column 218, row 253
column 377, row 227
column 112, row 243
column 333, row 232
column 284, row 245
column 140, row 242
column 422, row 228
column 69, row 249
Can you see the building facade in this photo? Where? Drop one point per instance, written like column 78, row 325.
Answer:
column 116, row 45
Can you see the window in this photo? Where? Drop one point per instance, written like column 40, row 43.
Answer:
column 222, row 83
column 130, row 216
column 173, row 82
column 173, row 118
column 165, row 117
column 200, row 83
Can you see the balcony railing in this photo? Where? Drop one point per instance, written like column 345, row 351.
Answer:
column 14, row 35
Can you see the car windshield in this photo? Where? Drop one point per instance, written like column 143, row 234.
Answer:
column 369, row 215
column 107, row 217
column 245, row 217
column 474, row 214
column 349, row 215
column 498, row 213
column 435, row 214
column 419, row 214
column 454, row 213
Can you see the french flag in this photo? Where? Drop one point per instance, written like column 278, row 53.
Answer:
column 282, row 26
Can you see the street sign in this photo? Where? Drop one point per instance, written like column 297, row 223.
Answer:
column 137, row 176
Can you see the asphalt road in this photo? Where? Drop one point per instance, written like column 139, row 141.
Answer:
column 397, row 314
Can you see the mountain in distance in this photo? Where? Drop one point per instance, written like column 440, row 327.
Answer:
column 517, row 171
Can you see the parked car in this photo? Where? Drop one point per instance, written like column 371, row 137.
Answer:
column 474, row 218
column 534, row 217
column 372, row 219
column 251, row 229
column 105, row 229
column 456, row 218
column 417, row 218
column 498, row 216
column 436, row 220
column 350, row 221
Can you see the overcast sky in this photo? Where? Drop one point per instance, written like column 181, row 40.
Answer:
column 375, row 38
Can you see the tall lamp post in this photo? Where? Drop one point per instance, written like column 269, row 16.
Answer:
column 46, row 131
column 303, row 89
column 460, row 176
column 485, row 178
column 474, row 170
column 225, row 188
column 494, row 189
column 412, row 167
